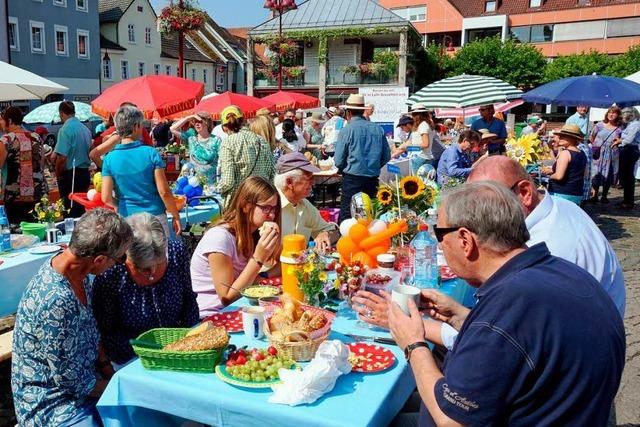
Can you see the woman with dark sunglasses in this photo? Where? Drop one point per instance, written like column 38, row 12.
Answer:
column 233, row 252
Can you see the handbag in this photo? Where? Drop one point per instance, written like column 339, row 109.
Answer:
column 596, row 151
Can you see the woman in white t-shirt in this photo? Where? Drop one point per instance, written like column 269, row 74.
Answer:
column 423, row 133
column 232, row 253
column 292, row 137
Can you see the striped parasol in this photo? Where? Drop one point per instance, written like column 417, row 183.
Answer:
column 465, row 91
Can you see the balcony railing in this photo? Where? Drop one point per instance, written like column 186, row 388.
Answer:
column 339, row 79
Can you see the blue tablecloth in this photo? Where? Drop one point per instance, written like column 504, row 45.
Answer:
column 139, row 397
column 19, row 266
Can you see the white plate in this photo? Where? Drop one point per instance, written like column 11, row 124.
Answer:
column 44, row 249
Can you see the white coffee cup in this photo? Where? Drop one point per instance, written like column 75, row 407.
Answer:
column 53, row 234
column 401, row 294
column 253, row 321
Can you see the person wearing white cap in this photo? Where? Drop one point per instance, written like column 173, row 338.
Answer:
column 361, row 151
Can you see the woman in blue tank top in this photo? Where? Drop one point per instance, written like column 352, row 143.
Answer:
column 566, row 177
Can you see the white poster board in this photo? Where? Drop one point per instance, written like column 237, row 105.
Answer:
column 389, row 102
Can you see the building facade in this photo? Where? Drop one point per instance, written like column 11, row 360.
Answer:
column 557, row 27
column 4, row 44
column 58, row 40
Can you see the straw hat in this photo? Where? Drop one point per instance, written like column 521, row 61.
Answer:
column 571, row 131
column 418, row 108
column 487, row 135
column 354, row 102
column 316, row 117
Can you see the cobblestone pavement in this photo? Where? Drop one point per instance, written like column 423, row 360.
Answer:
column 622, row 228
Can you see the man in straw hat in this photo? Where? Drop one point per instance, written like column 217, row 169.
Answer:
column 361, row 151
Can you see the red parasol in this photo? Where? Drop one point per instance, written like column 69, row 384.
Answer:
column 284, row 100
column 247, row 104
column 159, row 96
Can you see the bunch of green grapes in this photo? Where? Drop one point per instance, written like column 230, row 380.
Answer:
column 260, row 366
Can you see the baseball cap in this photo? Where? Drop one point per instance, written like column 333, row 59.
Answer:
column 405, row 120
column 231, row 109
column 293, row 161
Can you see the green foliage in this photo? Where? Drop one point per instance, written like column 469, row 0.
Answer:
column 429, row 64
column 388, row 61
column 626, row 64
column 521, row 65
column 581, row 64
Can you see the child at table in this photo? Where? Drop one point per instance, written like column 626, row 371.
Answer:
column 232, row 253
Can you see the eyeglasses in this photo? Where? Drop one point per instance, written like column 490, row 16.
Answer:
column 440, row 232
column 268, row 209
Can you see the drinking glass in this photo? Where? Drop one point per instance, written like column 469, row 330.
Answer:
column 69, row 225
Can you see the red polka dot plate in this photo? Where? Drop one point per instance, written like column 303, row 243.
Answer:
column 446, row 273
column 370, row 358
column 231, row 320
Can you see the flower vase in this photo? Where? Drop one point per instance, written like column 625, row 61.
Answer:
column 312, row 300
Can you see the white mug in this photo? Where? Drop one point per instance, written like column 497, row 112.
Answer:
column 53, row 234
column 401, row 294
column 253, row 321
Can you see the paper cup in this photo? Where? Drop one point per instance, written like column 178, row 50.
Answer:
column 253, row 321
column 401, row 294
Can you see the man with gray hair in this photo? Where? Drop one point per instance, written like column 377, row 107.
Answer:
column 294, row 181
column 530, row 352
column 628, row 144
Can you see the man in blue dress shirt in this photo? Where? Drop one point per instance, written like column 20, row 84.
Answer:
column 580, row 118
column 361, row 151
column 455, row 162
column 544, row 345
column 492, row 124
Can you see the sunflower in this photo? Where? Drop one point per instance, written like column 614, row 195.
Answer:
column 308, row 267
column 411, row 187
column 384, row 196
column 322, row 276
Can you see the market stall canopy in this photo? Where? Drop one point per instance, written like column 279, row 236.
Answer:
column 16, row 83
column 593, row 91
column 156, row 96
column 499, row 107
column 48, row 113
column 249, row 105
column 284, row 100
column 597, row 114
column 465, row 91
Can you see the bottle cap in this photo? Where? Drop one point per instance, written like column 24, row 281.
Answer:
column 385, row 258
column 312, row 244
column 423, row 227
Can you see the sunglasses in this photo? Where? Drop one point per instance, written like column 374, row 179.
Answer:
column 268, row 209
column 440, row 232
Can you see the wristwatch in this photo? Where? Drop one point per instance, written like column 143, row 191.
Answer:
column 408, row 349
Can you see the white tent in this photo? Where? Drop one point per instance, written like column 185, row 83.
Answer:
column 597, row 114
column 16, row 83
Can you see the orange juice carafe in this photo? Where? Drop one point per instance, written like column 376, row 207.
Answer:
column 293, row 245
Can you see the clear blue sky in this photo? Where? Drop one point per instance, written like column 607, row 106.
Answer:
column 229, row 13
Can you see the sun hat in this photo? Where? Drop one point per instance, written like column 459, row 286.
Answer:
column 231, row 109
column 292, row 161
column 354, row 102
column 316, row 117
column 448, row 122
column 487, row 135
column 405, row 120
column 418, row 108
column 571, row 130
column 534, row 120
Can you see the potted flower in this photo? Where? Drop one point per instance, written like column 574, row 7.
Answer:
column 48, row 213
column 261, row 78
column 350, row 74
column 312, row 279
column 185, row 18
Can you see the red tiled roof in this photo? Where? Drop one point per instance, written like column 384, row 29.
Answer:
column 471, row 8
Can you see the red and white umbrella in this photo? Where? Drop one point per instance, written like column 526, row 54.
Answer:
column 500, row 107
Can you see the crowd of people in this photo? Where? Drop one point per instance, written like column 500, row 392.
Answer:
column 549, row 283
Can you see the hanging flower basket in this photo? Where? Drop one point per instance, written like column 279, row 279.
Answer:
column 184, row 19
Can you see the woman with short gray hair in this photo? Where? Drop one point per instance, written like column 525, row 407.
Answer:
column 55, row 363
column 136, row 172
column 152, row 289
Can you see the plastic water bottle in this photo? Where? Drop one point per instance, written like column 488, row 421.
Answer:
column 426, row 258
column 432, row 220
column 5, row 234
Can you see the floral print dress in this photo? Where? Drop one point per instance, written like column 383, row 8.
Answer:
column 24, row 176
column 204, row 156
column 55, row 348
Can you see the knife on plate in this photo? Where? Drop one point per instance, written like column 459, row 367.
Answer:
column 379, row 340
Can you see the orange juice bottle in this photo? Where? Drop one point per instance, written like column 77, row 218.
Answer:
column 293, row 246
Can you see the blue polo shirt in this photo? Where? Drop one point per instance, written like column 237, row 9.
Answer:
column 496, row 126
column 74, row 142
column 132, row 167
column 544, row 346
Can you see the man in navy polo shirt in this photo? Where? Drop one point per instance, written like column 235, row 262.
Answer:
column 543, row 345
column 492, row 124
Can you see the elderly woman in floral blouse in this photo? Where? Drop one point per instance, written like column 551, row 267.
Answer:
column 56, row 357
column 152, row 289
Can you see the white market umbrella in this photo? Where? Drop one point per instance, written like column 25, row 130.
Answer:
column 48, row 113
column 465, row 91
column 597, row 114
column 16, row 83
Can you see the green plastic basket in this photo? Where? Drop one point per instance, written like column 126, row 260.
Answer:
column 188, row 361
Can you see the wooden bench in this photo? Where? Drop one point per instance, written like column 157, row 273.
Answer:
column 6, row 342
